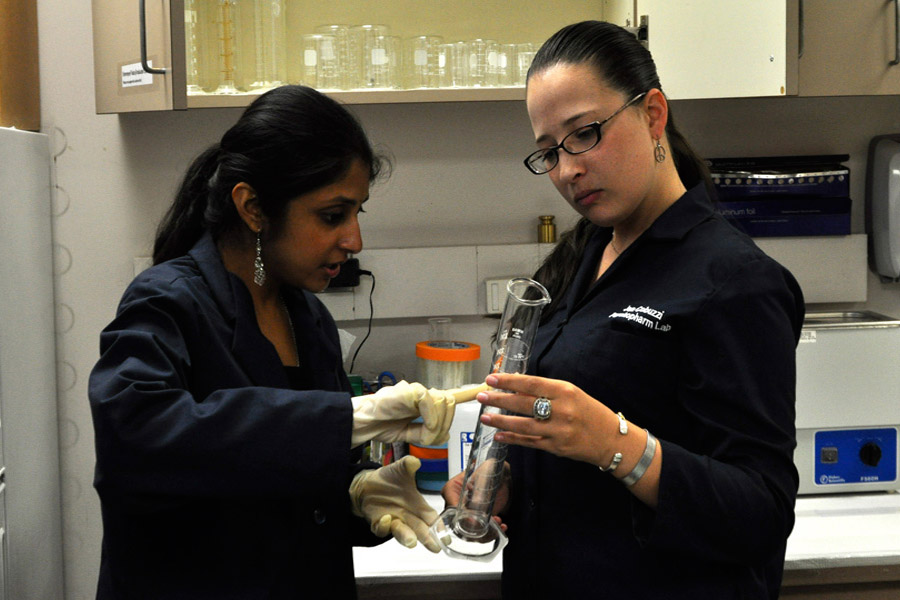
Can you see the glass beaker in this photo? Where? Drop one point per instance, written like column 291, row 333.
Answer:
column 364, row 46
column 420, row 61
column 468, row 531
column 336, row 73
column 382, row 62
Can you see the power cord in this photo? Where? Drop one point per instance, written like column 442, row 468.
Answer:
column 371, row 316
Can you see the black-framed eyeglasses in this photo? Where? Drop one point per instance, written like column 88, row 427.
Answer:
column 581, row 140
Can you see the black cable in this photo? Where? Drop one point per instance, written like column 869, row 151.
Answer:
column 371, row 316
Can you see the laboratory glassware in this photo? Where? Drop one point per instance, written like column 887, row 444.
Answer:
column 195, row 24
column 228, row 31
column 363, row 48
column 335, row 70
column 525, row 54
column 269, row 44
column 420, row 61
column 468, row 530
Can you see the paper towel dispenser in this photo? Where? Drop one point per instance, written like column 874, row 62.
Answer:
column 883, row 188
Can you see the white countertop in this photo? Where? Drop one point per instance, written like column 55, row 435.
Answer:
column 841, row 530
column 845, row 530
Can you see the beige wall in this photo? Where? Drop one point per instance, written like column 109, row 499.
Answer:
column 458, row 180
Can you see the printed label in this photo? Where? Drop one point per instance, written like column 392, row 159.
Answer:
column 650, row 318
column 134, row 75
column 466, row 438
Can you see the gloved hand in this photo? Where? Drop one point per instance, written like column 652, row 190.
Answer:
column 386, row 415
column 388, row 499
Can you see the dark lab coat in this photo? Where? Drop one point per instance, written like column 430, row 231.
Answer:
column 216, row 480
column 691, row 333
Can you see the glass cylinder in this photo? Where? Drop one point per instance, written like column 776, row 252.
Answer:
column 492, row 68
column 479, row 50
column 507, row 68
column 227, row 18
column 197, row 52
column 269, row 43
column 455, row 64
column 345, row 77
column 468, row 530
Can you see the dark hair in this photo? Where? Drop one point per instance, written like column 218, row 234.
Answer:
column 623, row 63
column 290, row 141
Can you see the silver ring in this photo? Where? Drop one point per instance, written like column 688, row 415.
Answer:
column 541, row 409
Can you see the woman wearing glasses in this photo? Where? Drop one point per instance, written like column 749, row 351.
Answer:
column 658, row 462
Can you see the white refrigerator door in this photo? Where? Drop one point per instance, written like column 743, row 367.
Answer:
column 28, row 415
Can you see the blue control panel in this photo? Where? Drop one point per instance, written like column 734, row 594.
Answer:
column 856, row 456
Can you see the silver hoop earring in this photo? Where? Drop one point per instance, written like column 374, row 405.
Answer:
column 659, row 153
column 259, row 269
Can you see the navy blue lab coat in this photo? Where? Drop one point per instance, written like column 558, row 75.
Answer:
column 216, row 480
column 691, row 333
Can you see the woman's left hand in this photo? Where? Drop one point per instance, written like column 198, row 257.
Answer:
column 574, row 429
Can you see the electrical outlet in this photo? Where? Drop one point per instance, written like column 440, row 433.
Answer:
column 495, row 294
column 347, row 278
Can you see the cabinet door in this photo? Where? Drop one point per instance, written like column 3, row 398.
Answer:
column 846, row 48
column 120, row 82
column 718, row 48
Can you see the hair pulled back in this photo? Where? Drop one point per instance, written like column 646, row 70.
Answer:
column 290, row 141
column 622, row 62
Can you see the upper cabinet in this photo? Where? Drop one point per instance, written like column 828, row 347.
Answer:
column 177, row 54
column 848, row 48
column 718, row 48
column 123, row 32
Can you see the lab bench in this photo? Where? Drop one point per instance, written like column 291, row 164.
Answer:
column 843, row 546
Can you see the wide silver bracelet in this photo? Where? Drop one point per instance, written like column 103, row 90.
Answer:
column 641, row 467
column 617, row 457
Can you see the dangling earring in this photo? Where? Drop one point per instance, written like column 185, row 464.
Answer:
column 659, row 153
column 259, row 269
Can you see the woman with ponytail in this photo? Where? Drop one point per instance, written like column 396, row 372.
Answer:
column 658, row 461
column 227, row 440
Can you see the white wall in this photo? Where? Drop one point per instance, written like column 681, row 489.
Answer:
column 458, row 179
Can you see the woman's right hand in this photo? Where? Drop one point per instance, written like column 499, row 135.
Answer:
column 452, row 492
column 388, row 414
column 389, row 501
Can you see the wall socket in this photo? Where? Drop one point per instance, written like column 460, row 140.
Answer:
column 495, row 294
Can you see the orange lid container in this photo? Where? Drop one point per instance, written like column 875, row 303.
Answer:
column 448, row 351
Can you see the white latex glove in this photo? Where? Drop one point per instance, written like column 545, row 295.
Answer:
column 388, row 499
column 386, row 415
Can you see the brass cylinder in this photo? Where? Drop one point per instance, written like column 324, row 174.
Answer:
column 547, row 230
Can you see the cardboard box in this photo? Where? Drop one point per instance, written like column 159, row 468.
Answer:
column 788, row 216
